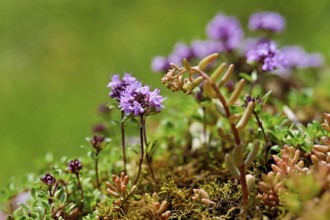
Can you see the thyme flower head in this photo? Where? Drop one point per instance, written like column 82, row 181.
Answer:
column 298, row 58
column 226, row 30
column 118, row 85
column 160, row 64
column 48, row 179
column 267, row 21
column 267, row 55
column 202, row 49
column 97, row 141
column 180, row 52
column 74, row 166
column 139, row 100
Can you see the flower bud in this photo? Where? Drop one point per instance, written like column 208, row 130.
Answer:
column 48, row 179
column 74, row 166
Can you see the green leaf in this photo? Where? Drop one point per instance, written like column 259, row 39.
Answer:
column 34, row 193
column 246, row 76
column 25, row 208
column 57, row 173
column 63, row 198
column 266, row 97
column 40, row 210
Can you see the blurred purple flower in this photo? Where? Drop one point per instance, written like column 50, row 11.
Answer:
column 267, row 55
column 297, row 58
column 118, row 86
column 227, row 30
column 160, row 64
column 267, row 21
column 248, row 44
column 139, row 100
column 202, row 49
column 315, row 60
column 180, row 51
column 99, row 128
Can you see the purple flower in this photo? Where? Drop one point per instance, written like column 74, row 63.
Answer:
column 99, row 128
column 202, row 49
column 315, row 60
column 48, row 179
column 225, row 29
column 297, row 58
column 97, row 141
column 139, row 100
column 74, row 166
column 267, row 21
column 248, row 44
column 180, row 51
column 118, row 86
column 160, row 64
column 267, row 55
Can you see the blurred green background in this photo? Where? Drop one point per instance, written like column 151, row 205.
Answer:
column 56, row 58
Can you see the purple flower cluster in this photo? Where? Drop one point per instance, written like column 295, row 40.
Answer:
column 118, row 86
column 298, row 58
column 74, row 166
column 266, row 54
column 160, row 64
column 180, row 51
column 226, row 30
column 97, row 141
column 48, row 179
column 225, row 35
column 267, row 21
column 138, row 100
column 202, row 49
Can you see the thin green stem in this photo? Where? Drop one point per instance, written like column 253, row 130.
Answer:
column 266, row 149
column 123, row 145
column 80, row 187
column 141, row 151
column 148, row 158
column 98, row 183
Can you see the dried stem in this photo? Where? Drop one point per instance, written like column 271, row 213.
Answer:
column 223, row 101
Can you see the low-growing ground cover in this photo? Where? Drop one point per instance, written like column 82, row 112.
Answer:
column 247, row 138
